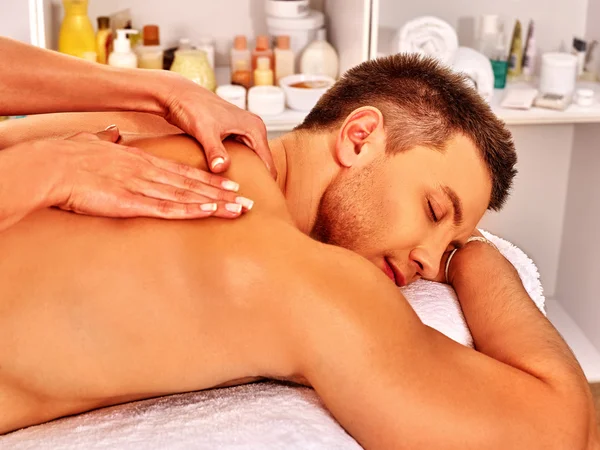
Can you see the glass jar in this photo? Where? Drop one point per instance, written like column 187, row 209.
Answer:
column 194, row 65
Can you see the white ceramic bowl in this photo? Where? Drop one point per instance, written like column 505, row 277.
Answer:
column 289, row 9
column 301, row 98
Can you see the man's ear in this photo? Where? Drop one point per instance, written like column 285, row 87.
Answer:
column 359, row 135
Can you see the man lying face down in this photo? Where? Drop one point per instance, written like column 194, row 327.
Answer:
column 395, row 167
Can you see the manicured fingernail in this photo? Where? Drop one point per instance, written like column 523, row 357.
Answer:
column 233, row 207
column 230, row 185
column 208, row 207
column 110, row 127
column 245, row 202
column 216, row 162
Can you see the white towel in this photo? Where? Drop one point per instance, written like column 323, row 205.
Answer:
column 478, row 68
column 429, row 36
column 257, row 416
column 437, row 305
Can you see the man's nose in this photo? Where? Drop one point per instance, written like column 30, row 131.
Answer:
column 428, row 261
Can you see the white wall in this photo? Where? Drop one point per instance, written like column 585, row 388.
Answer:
column 578, row 289
column 14, row 19
column 556, row 21
column 533, row 216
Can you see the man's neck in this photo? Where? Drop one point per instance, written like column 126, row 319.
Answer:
column 305, row 167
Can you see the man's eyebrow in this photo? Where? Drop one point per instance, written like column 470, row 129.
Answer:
column 456, row 204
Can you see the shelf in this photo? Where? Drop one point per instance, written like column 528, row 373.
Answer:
column 540, row 116
column 587, row 355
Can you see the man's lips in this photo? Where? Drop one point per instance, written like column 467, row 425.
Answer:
column 394, row 274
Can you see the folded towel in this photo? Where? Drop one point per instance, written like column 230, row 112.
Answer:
column 429, row 36
column 477, row 67
column 256, row 416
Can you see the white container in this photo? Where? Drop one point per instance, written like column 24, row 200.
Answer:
column 301, row 31
column 304, row 99
column 122, row 56
column 287, row 9
column 266, row 100
column 320, row 58
column 584, row 97
column 558, row 73
column 236, row 95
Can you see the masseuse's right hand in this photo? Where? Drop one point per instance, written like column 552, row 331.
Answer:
column 91, row 174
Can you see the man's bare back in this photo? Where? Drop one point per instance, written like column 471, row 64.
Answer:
column 97, row 312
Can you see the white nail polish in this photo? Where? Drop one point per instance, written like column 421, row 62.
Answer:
column 217, row 162
column 208, row 207
column 233, row 207
column 230, row 185
column 110, row 127
column 245, row 202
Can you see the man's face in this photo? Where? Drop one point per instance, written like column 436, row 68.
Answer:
column 404, row 211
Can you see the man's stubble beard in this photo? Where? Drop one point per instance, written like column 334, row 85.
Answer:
column 345, row 215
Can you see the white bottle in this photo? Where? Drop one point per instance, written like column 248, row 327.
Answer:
column 284, row 58
column 320, row 58
column 122, row 56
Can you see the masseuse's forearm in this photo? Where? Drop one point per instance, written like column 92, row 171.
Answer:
column 35, row 81
column 507, row 326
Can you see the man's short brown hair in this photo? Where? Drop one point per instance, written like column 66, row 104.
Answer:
column 423, row 103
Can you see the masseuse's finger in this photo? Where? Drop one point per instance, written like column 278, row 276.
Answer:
column 190, row 172
column 110, row 133
column 186, row 191
column 140, row 205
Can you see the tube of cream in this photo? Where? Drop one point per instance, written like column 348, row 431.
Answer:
column 529, row 53
column 515, row 59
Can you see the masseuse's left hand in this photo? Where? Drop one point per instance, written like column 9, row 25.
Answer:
column 210, row 119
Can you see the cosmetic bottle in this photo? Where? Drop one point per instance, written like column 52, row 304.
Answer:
column 241, row 73
column 263, row 75
column 515, row 59
column 320, row 58
column 122, row 56
column 284, row 58
column 262, row 50
column 76, row 35
column 529, row 53
column 207, row 45
column 150, row 55
column 104, row 39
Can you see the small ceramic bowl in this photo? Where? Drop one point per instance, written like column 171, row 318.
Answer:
column 302, row 91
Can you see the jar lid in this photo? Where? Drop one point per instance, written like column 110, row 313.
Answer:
column 231, row 91
column 314, row 20
column 559, row 59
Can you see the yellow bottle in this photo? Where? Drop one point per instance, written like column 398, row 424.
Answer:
column 103, row 39
column 76, row 35
column 263, row 75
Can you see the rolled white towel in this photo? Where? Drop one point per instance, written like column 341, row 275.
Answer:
column 427, row 35
column 478, row 68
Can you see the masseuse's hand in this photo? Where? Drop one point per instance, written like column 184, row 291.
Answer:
column 210, row 119
column 90, row 174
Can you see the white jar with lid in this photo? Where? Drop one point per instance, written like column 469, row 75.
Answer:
column 266, row 100
column 558, row 73
column 302, row 31
column 234, row 94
